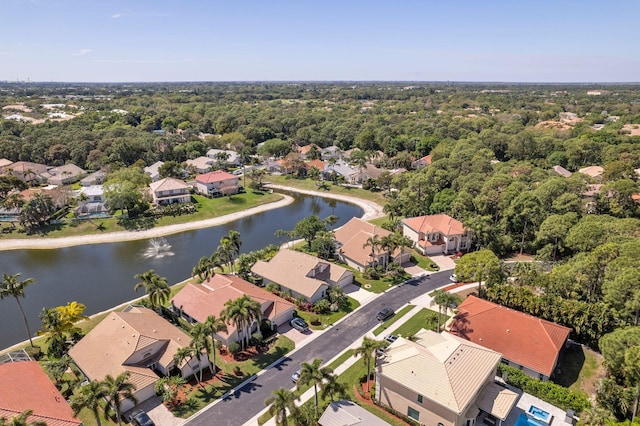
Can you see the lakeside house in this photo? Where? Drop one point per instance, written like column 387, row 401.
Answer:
column 302, row 274
column 26, row 171
column 216, row 184
column 91, row 199
column 169, row 191
column 195, row 302
column 527, row 343
column 138, row 341
column 63, row 175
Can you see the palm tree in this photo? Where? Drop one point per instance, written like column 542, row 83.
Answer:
column 366, row 351
column 182, row 354
column 313, row 373
column 199, row 342
column 236, row 242
column 332, row 388
column 281, row 401
column 21, row 420
column 168, row 388
column 226, row 252
column 89, row 396
column 440, row 299
column 214, row 325
column 373, row 242
column 156, row 287
column 117, row 389
column 388, row 243
column 241, row 312
column 11, row 286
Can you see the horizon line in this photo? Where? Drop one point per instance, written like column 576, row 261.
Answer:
column 322, row 81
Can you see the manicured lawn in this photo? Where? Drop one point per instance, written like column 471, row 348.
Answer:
column 423, row 261
column 425, row 318
column 393, row 319
column 207, row 208
column 201, row 396
column 330, row 318
column 308, row 184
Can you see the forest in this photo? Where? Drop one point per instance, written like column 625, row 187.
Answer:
column 492, row 147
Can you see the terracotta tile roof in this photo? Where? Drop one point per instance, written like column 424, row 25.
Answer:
column 524, row 339
column 217, row 176
column 353, row 235
column 445, row 368
column 442, row 223
column 24, row 386
column 168, row 184
column 202, row 300
column 291, row 270
column 127, row 332
column 318, row 164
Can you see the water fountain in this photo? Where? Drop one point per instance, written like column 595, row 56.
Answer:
column 157, row 249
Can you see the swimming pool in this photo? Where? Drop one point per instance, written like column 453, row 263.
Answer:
column 524, row 420
column 539, row 414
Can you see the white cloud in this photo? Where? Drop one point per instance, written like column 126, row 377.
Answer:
column 82, row 52
column 117, row 15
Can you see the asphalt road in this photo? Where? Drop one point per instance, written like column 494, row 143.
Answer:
column 246, row 402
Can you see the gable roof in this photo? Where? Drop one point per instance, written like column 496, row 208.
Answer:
column 4, row 162
column 168, row 184
column 217, row 176
column 593, row 171
column 524, row 339
column 445, row 368
column 209, row 298
column 353, row 235
column 154, row 169
column 291, row 269
column 341, row 413
column 201, row 162
column 318, row 164
column 67, row 169
column 24, row 386
column 127, row 332
column 442, row 223
column 561, row 171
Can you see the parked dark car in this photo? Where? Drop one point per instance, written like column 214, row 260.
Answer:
column 299, row 324
column 140, row 418
column 385, row 314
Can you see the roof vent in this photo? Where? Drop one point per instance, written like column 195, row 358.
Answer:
column 480, row 339
column 155, row 331
column 508, row 330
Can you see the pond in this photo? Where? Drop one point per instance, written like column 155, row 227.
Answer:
column 102, row 275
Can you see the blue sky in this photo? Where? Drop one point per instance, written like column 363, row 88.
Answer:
column 284, row 40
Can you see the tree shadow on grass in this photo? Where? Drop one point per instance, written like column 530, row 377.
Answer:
column 570, row 364
column 137, row 223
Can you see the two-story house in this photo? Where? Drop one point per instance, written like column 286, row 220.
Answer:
column 437, row 234
column 216, row 184
column 169, row 190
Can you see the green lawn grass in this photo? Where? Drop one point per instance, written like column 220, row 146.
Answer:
column 330, row 318
column 386, row 324
column 425, row 318
column 423, row 261
column 206, row 208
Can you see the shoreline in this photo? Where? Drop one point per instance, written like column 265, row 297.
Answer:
column 370, row 210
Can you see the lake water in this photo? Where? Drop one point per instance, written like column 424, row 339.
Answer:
column 101, row 275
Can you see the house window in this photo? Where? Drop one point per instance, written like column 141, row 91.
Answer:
column 414, row 414
column 420, row 399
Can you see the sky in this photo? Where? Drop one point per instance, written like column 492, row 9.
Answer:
column 321, row 40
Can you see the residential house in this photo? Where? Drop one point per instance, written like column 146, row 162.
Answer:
column 302, row 274
column 345, row 412
column 195, row 302
column 436, row 234
column 95, row 178
column 274, row 166
column 64, row 175
column 24, row 386
column 58, row 196
column 304, row 150
column 215, row 184
column 4, row 163
column 318, row 164
column 352, row 245
column 201, row 164
column 561, row 171
column 442, row 379
column 170, row 190
column 26, row 171
column 224, row 156
column 590, row 197
column 91, row 199
column 421, row 162
column 138, row 341
column 330, row 152
column 154, row 170
column 528, row 343
column 595, row 172
column 350, row 174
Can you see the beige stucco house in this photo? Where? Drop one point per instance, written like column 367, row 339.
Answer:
column 64, row 175
column 195, row 302
column 437, row 233
column 170, row 190
column 138, row 341
column 302, row 274
column 216, row 184
column 441, row 379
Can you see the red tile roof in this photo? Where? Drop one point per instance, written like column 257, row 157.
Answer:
column 442, row 223
column 318, row 164
column 524, row 339
column 217, row 176
column 24, row 386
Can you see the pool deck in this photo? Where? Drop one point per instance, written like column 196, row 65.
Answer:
column 526, row 401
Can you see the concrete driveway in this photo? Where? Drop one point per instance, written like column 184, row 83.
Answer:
column 444, row 262
column 158, row 412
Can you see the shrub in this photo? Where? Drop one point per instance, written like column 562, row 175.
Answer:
column 257, row 338
column 234, row 348
column 322, row 306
